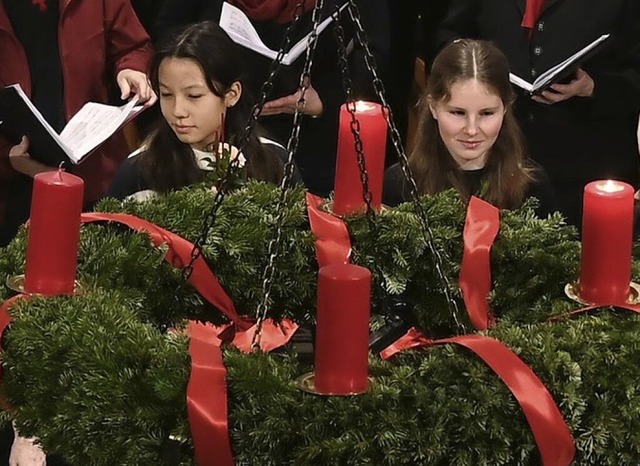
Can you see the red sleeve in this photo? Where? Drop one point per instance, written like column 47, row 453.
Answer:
column 128, row 44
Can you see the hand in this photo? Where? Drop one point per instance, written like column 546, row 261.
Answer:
column 24, row 452
column 23, row 163
column 137, row 82
column 313, row 106
column 581, row 86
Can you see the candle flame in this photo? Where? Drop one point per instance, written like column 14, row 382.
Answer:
column 362, row 106
column 610, row 186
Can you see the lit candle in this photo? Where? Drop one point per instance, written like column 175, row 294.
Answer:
column 54, row 231
column 348, row 198
column 607, row 233
column 342, row 330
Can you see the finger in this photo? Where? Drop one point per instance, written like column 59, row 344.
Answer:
column 540, row 100
column 270, row 111
column 282, row 101
column 562, row 88
column 125, row 88
column 152, row 100
column 554, row 97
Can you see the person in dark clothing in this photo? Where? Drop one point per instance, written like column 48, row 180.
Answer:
column 468, row 138
column 583, row 130
column 64, row 54
column 203, row 103
column 412, row 32
column 316, row 153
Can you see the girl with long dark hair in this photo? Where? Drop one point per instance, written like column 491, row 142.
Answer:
column 198, row 77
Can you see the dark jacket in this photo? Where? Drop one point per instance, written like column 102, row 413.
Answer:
column 580, row 139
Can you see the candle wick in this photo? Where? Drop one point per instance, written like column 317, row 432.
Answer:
column 61, row 169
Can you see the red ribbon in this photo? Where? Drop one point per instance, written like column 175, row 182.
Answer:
column 179, row 255
column 207, row 398
column 480, row 231
column 626, row 306
column 207, row 389
column 333, row 245
column 550, row 432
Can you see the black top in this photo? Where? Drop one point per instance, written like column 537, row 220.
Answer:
column 130, row 180
column 35, row 23
column 394, row 191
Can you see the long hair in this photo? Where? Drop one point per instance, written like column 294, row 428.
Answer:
column 507, row 171
column 167, row 163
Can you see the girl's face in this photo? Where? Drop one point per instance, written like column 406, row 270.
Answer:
column 469, row 122
column 188, row 105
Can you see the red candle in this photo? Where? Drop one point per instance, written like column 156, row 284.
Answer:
column 342, row 331
column 607, row 232
column 54, row 231
column 347, row 197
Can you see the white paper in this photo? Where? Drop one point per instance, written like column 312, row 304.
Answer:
column 40, row 118
column 242, row 32
column 93, row 124
column 88, row 128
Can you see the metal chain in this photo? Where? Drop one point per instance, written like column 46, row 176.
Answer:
column 273, row 248
column 223, row 186
column 354, row 124
column 378, row 85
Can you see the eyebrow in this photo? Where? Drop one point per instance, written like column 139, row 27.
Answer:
column 482, row 109
column 191, row 86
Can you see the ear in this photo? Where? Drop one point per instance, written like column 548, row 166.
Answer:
column 232, row 96
column 432, row 109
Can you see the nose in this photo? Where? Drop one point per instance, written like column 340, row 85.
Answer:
column 471, row 126
column 179, row 109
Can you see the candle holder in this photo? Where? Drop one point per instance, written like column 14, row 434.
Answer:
column 16, row 283
column 572, row 291
column 327, row 206
column 306, row 383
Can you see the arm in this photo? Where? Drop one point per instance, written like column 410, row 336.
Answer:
column 129, row 48
column 610, row 81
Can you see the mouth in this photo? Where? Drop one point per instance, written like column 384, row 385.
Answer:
column 470, row 144
column 182, row 129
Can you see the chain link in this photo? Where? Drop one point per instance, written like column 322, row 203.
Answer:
column 354, row 125
column 273, row 248
column 423, row 219
column 223, row 184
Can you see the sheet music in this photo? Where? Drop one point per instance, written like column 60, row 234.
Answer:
column 93, row 124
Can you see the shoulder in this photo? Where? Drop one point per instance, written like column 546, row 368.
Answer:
column 540, row 188
column 275, row 145
column 393, row 189
column 129, row 178
column 283, row 155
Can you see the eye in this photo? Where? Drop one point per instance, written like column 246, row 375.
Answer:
column 488, row 113
column 165, row 94
column 194, row 96
column 456, row 112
